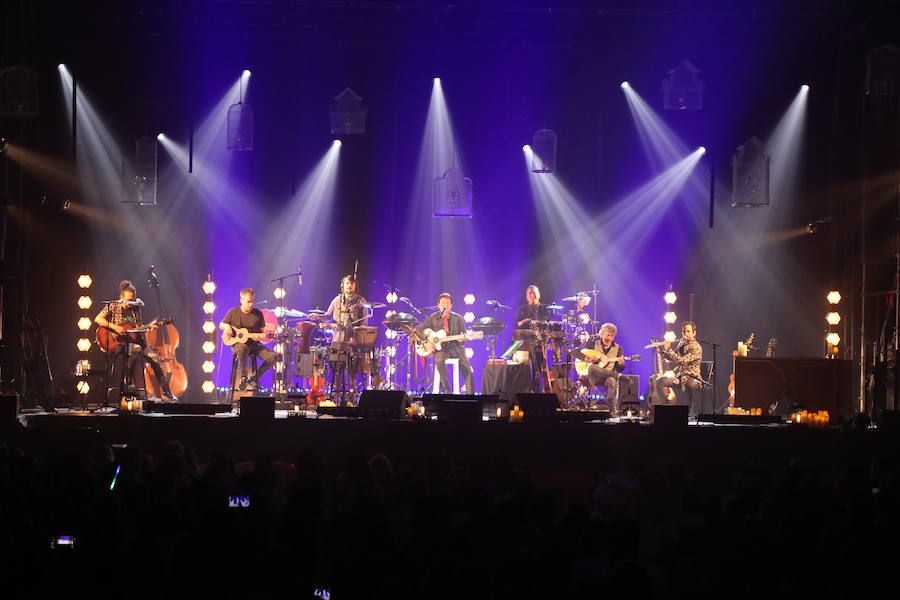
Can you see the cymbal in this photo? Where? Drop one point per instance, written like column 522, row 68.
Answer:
column 653, row 345
column 554, row 307
column 397, row 320
column 290, row 312
column 374, row 305
column 489, row 325
column 315, row 311
column 576, row 298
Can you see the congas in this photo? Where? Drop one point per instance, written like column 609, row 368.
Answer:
column 365, row 337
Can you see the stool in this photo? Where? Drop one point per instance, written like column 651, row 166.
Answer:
column 234, row 379
column 451, row 362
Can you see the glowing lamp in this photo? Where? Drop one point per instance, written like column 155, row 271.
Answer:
column 83, row 344
column 469, row 299
column 670, row 297
column 833, row 297
column 669, row 317
column 470, row 352
column 833, row 338
column 279, row 293
column 279, row 348
column 279, row 367
column 390, row 334
column 208, row 387
column 84, row 323
column 209, row 327
column 85, row 281
column 209, row 347
column 391, row 297
column 390, row 314
column 209, row 287
column 83, row 387
column 208, row 366
column 469, row 317
column 84, row 302
column 209, row 307
column 669, row 336
column 833, row 318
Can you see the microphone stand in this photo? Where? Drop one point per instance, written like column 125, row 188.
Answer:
column 715, row 373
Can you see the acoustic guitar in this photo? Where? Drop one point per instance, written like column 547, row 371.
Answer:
column 242, row 334
column 598, row 357
column 435, row 339
column 108, row 339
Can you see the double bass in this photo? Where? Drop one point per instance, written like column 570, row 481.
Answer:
column 164, row 340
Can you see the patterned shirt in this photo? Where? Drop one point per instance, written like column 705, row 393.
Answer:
column 686, row 356
column 119, row 313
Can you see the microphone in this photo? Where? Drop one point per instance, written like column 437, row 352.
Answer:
column 492, row 303
column 404, row 299
column 139, row 302
column 299, row 276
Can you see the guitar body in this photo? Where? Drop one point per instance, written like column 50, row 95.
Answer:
column 241, row 334
column 598, row 357
column 435, row 339
column 108, row 340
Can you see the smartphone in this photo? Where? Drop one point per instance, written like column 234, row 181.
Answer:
column 323, row 593
column 238, row 501
column 62, row 541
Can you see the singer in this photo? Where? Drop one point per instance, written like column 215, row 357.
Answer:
column 532, row 310
column 452, row 324
column 347, row 310
column 120, row 317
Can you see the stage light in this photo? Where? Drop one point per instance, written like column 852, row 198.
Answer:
column 84, row 302
column 669, row 336
column 61, row 67
column 469, row 299
column 670, row 297
column 624, row 85
column 209, row 307
column 84, row 323
column 390, row 334
column 437, row 81
column 526, row 148
column 83, row 344
column 209, row 366
column 278, row 348
column 209, row 347
column 209, row 287
column 833, row 297
column 669, row 317
column 279, row 293
column 470, row 352
column 246, row 73
column 833, row 318
column 208, row 387
column 833, row 338
column 209, row 327
column 390, row 314
column 391, row 297
column 469, row 317
column 83, row 387
column 279, row 367
column 85, row 281
column 160, row 136
column 804, row 87
column 337, row 143
column 701, row 149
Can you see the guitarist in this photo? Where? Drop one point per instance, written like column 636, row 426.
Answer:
column 686, row 356
column 453, row 324
column 602, row 372
column 247, row 317
column 120, row 317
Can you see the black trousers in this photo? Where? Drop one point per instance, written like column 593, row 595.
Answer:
column 243, row 351
column 687, row 392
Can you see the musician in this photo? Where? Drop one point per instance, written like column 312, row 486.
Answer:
column 527, row 313
column 245, row 316
column 120, row 317
column 605, row 376
column 453, row 324
column 348, row 311
column 686, row 357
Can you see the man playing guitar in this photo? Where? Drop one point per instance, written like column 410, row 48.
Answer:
column 119, row 318
column 452, row 324
column 605, row 367
column 245, row 317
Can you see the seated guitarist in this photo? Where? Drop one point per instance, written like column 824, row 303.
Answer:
column 251, row 319
column 605, row 372
column 120, row 317
column 452, row 324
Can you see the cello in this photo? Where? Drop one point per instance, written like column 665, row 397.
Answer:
column 164, row 340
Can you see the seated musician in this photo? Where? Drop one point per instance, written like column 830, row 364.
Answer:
column 120, row 317
column 251, row 319
column 604, row 372
column 452, row 324
column 686, row 357
column 526, row 314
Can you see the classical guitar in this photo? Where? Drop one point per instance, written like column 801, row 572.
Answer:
column 242, row 334
column 598, row 357
column 108, row 339
column 735, row 354
column 435, row 339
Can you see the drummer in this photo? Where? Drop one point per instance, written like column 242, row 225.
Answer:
column 348, row 310
column 526, row 314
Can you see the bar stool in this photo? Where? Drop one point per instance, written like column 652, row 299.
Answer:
column 451, row 362
column 235, row 378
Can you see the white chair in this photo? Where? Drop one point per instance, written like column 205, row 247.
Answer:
column 451, row 362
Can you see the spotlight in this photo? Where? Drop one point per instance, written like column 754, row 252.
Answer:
column 437, row 81
column 624, row 85
column 209, row 327
column 246, row 73
column 669, row 336
column 833, row 338
column 804, row 87
column 85, row 281
column 833, row 297
column 209, row 287
column 469, row 317
column 669, row 317
column 208, row 387
column 279, row 293
column 209, row 347
column 84, row 323
column 61, row 66
column 670, row 297
column 84, row 302
column 337, row 143
column 702, row 149
column 83, row 344
column 209, row 307
column 526, row 148
column 160, row 136
column 391, row 297
column 833, row 318
column 469, row 299
column 209, row 366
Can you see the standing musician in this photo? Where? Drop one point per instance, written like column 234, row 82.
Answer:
column 348, row 311
column 605, row 375
column 531, row 311
column 686, row 356
column 251, row 319
column 453, row 324
column 120, row 317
